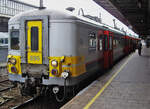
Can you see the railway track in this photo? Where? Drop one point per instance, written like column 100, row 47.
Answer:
column 3, row 69
column 5, row 85
column 28, row 102
column 40, row 102
column 4, row 80
column 5, row 99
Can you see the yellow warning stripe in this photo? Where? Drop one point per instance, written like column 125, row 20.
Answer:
column 105, row 86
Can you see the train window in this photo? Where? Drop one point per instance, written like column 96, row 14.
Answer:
column 114, row 43
column 123, row 41
column 34, row 38
column 100, row 45
column 92, row 42
column 1, row 41
column 14, row 39
column 6, row 41
column 117, row 42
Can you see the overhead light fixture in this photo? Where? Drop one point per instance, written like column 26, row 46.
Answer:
column 139, row 3
column 142, row 20
column 70, row 9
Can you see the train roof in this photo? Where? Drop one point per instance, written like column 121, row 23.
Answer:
column 54, row 14
column 59, row 15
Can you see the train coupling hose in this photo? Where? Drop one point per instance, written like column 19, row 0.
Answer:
column 65, row 75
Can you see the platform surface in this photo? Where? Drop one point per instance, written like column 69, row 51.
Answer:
column 125, row 86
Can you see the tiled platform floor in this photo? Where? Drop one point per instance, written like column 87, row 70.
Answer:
column 130, row 89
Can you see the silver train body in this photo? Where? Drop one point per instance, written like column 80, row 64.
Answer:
column 48, row 47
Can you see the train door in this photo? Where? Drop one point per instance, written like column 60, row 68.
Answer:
column 126, row 45
column 34, row 42
column 110, row 48
column 106, row 49
column 100, row 47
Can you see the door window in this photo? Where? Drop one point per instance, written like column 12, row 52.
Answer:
column 105, row 43
column 100, row 45
column 114, row 43
column 34, row 38
column 110, row 43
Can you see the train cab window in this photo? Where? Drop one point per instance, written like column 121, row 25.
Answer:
column 34, row 38
column 14, row 39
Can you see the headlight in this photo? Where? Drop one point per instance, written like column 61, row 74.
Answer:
column 14, row 70
column 54, row 72
column 54, row 63
column 12, row 61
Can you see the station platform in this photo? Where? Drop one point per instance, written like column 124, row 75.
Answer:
column 125, row 86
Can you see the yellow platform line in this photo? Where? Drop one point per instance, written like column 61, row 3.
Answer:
column 106, row 85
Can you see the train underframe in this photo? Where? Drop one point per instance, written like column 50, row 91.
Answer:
column 31, row 86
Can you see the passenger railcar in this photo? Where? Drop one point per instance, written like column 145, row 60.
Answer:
column 3, row 40
column 50, row 48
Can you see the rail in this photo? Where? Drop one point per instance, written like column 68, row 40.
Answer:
column 28, row 102
column 4, row 85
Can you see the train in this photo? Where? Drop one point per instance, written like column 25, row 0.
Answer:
column 52, row 50
column 3, row 40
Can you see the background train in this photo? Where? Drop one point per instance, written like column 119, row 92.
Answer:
column 3, row 47
column 51, row 50
column 3, row 40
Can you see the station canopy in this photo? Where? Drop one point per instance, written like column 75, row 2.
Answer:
column 133, row 13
